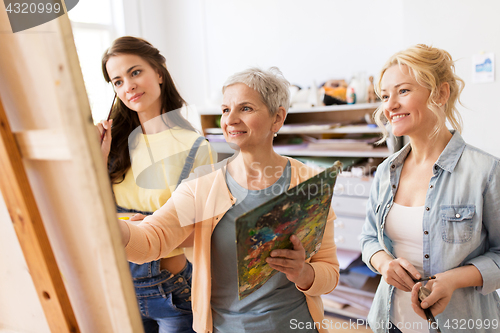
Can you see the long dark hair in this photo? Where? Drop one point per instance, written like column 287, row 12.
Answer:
column 124, row 119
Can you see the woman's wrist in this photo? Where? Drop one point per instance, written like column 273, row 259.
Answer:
column 378, row 260
column 307, row 277
column 447, row 278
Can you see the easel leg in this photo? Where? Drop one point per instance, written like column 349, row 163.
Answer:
column 31, row 233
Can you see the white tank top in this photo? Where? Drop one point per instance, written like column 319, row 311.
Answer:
column 404, row 227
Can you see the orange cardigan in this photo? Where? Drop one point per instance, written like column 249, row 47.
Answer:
column 204, row 198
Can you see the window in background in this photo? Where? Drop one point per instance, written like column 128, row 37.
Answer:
column 94, row 28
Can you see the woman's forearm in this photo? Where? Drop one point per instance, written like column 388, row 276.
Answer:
column 463, row 277
column 125, row 232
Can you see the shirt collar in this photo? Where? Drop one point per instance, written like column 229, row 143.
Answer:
column 451, row 154
column 447, row 160
column 399, row 157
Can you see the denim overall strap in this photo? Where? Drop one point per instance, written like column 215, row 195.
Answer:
column 186, row 170
column 120, row 209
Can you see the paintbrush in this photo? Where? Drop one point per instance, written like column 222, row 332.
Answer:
column 422, row 294
column 425, row 279
column 109, row 115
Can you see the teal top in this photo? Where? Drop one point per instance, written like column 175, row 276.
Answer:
column 278, row 304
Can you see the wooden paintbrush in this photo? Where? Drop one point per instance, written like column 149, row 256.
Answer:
column 109, row 115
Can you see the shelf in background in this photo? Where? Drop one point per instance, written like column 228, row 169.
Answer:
column 349, row 129
column 329, row 108
column 301, row 150
column 356, row 303
column 314, row 129
column 351, row 301
column 348, row 311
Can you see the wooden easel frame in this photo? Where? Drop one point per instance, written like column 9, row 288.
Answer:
column 52, row 137
column 30, row 231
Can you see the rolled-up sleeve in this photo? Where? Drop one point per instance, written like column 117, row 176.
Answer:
column 368, row 239
column 488, row 263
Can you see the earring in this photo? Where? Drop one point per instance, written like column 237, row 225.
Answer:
column 275, row 134
column 440, row 104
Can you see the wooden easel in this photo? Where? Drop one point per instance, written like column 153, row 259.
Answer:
column 31, row 233
column 56, row 189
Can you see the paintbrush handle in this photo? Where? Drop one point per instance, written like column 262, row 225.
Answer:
column 422, row 294
column 431, row 320
column 103, row 134
column 109, row 116
column 425, row 279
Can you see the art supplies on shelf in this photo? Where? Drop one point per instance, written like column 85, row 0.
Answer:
column 340, row 144
column 307, row 127
column 303, row 150
column 300, row 211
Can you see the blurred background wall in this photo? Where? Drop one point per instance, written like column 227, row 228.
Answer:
column 311, row 41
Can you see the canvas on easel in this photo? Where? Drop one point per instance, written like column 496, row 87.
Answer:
column 300, row 211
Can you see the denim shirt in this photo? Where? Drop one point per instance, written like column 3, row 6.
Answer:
column 461, row 225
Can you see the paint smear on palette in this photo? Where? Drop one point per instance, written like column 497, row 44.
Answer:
column 300, row 211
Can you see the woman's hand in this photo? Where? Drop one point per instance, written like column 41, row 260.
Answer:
column 396, row 272
column 106, row 142
column 138, row 217
column 442, row 288
column 293, row 264
column 441, row 292
column 400, row 273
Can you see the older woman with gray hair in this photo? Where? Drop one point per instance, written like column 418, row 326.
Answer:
column 206, row 205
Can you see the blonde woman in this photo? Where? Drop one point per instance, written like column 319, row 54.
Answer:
column 434, row 206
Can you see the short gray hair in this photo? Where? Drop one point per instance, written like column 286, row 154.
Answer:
column 271, row 85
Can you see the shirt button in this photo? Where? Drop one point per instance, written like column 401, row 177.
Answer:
column 457, row 215
column 393, row 166
column 180, row 279
column 388, row 205
column 432, row 186
column 393, row 186
column 426, row 256
column 427, row 209
column 426, row 232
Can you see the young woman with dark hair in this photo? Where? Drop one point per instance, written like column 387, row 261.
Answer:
column 149, row 150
